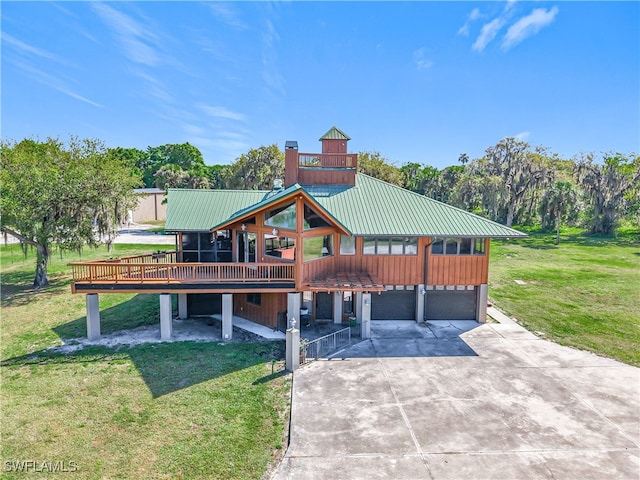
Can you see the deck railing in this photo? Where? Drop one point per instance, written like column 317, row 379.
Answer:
column 162, row 268
column 328, row 160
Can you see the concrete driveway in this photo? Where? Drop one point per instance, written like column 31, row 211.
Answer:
column 459, row 400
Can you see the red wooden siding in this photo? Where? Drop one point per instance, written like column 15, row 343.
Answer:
column 266, row 313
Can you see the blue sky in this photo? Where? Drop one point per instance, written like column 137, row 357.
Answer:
column 417, row 81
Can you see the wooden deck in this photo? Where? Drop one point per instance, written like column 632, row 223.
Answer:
column 162, row 270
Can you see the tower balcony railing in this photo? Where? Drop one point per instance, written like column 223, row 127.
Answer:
column 328, row 160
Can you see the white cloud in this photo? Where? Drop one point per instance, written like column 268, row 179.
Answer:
column 26, row 49
column 528, row 26
column 464, row 29
column 522, row 136
column 135, row 39
column 488, row 33
column 221, row 112
column 226, row 14
column 421, row 62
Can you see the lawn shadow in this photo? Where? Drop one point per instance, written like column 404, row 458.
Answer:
column 17, row 289
column 165, row 367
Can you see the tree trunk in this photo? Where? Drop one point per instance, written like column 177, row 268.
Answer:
column 557, row 226
column 41, row 279
column 510, row 212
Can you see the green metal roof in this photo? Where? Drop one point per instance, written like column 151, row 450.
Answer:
column 199, row 210
column 371, row 207
column 335, row 133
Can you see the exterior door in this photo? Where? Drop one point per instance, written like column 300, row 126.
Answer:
column 324, row 306
column 246, row 247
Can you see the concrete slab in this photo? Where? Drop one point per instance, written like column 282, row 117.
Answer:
column 517, row 407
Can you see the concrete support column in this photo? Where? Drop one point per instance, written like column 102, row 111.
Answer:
column 366, row 316
column 337, row 307
column 483, row 296
column 166, row 320
column 227, row 316
column 420, row 298
column 292, row 354
column 182, row 306
column 359, row 307
column 93, row 316
column 293, row 307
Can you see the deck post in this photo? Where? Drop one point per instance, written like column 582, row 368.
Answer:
column 93, row 316
column 358, row 306
column 293, row 306
column 481, row 309
column 166, row 320
column 227, row 316
column 337, row 307
column 366, row 316
column 182, row 306
column 420, row 294
column 292, row 349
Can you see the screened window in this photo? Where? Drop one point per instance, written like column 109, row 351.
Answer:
column 390, row 246
column 280, row 247
column 458, row 246
column 282, row 217
column 317, row 247
column 347, row 245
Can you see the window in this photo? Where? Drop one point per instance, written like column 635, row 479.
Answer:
column 254, row 298
column 347, row 245
column 347, row 303
column 282, row 217
column 317, row 247
column 281, row 247
column 390, row 246
column 313, row 220
column 458, row 246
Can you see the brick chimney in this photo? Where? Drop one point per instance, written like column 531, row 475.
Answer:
column 291, row 166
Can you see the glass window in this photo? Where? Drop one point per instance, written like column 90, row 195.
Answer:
column 410, row 246
column 369, row 246
column 190, row 241
column 317, row 247
column 397, row 246
column 280, row 247
column 465, row 246
column 282, row 217
column 437, row 247
column 347, row 245
column 451, row 246
column 479, row 246
column 382, row 246
column 312, row 219
column 254, row 298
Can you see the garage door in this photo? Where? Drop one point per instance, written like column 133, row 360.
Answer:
column 204, row 304
column 451, row 305
column 394, row 305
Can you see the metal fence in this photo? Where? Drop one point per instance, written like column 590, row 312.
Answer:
column 311, row 350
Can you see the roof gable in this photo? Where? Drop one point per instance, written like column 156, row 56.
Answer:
column 334, row 133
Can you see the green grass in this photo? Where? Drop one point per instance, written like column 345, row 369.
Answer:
column 168, row 410
column 583, row 292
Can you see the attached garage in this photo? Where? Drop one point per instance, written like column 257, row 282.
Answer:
column 394, row 305
column 450, row 305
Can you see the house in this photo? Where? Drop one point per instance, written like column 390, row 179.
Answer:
column 327, row 244
column 150, row 206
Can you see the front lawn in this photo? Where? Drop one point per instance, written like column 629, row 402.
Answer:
column 167, row 410
column 584, row 292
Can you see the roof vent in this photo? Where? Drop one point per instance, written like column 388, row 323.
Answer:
column 291, row 145
column 277, row 184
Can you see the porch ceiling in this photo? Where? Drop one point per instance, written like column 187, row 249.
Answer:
column 346, row 281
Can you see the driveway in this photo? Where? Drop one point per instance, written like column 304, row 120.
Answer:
column 460, row 400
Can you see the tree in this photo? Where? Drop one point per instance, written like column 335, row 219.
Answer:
column 172, row 176
column 66, row 195
column 605, row 186
column 521, row 170
column 256, row 169
column 556, row 204
column 184, row 155
column 375, row 165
